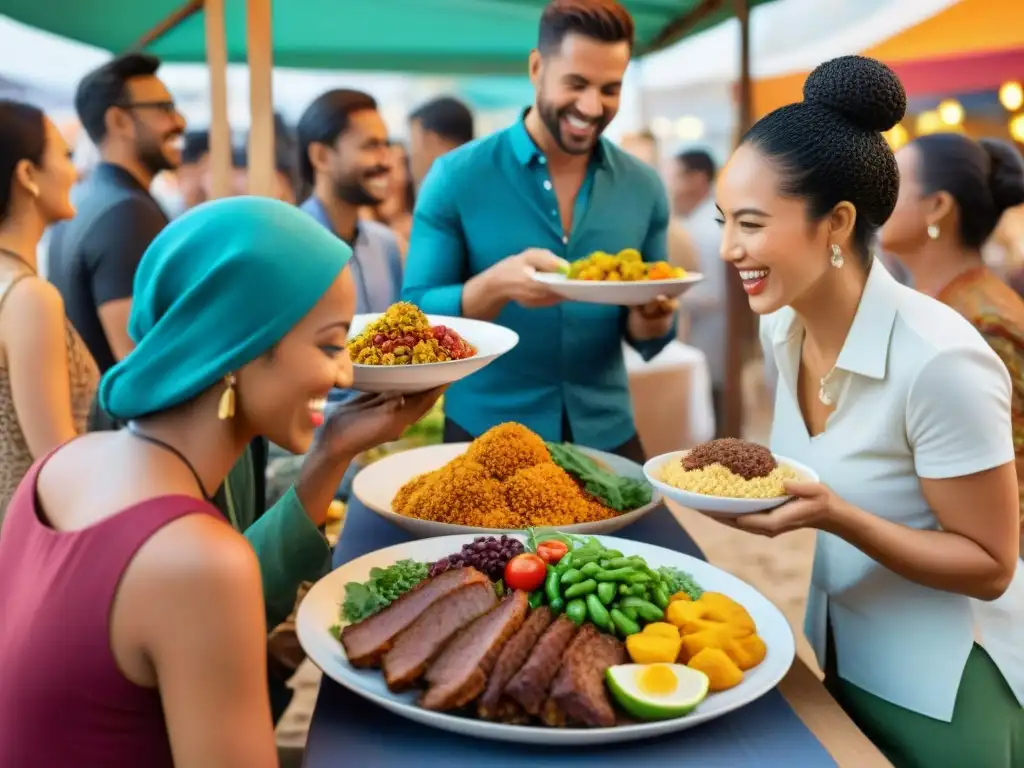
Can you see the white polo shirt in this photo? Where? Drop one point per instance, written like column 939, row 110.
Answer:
column 919, row 394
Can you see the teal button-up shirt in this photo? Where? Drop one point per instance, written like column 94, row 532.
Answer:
column 493, row 198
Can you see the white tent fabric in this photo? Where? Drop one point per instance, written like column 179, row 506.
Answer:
column 697, row 77
column 786, row 36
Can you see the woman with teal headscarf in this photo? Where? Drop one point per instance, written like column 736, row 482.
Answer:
column 240, row 316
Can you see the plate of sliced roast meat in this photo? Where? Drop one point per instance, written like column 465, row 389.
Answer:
column 546, row 639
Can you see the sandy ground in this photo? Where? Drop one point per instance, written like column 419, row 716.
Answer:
column 780, row 568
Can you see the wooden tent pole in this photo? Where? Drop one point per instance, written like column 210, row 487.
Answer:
column 738, row 320
column 168, row 23
column 260, row 48
column 220, row 127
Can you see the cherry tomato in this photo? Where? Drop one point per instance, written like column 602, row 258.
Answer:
column 551, row 551
column 526, row 572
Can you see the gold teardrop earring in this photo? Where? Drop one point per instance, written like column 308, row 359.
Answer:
column 226, row 406
column 837, row 256
column 933, row 231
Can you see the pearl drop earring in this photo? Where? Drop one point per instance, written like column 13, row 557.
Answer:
column 837, row 256
column 933, row 231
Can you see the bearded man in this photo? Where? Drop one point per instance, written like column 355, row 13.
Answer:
column 132, row 119
column 345, row 157
column 543, row 191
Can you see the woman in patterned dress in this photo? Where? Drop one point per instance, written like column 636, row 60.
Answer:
column 47, row 377
column 953, row 191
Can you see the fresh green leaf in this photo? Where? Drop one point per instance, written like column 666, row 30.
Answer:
column 617, row 492
column 384, row 586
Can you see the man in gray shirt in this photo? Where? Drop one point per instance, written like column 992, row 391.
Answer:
column 693, row 201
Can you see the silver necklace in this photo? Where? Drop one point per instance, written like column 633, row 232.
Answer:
column 823, row 394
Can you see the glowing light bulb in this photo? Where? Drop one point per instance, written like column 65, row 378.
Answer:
column 1017, row 128
column 897, row 136
column 951, row 112
column 1011, row 95
column 928, row 122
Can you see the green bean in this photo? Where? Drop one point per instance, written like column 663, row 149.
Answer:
column 552, row 590
column 572, row 576
column 638, row 578
column 606, row 592
column 612, row 553
column 590, row 569
column 581, row 589
column 582, row 558
column 630, row 612
column 556, row 605
column 647, row 611
column 598, row 613
column 619, row 574
column 536, row 598
column 621, row 562
column 636, row 590
column 577, row 611
column 565, row 564
column 660, row 598
column 623, row 623
column 624, row 589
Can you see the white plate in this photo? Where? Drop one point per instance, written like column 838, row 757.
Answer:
column 377, row 484
column 719, row 505
column 621, row 294
column 319, row 611
column 491, row 342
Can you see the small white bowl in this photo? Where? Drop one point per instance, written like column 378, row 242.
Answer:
column 491, row 342
column 723, row 506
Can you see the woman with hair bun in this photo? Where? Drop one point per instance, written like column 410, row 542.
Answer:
column 916, row 604
column 953, row 192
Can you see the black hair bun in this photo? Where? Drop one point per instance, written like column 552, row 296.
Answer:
column 1006, row 173
column 864, row 91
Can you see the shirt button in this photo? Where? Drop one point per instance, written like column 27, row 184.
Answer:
column 565, row 239
column 554, row 212
column 543, row 160
column 547, row 184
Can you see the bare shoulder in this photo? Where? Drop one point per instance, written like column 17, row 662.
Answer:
column 197, row 552
column 35, row 299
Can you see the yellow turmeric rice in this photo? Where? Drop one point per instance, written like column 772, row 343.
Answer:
column 717, row 480
column 506, row 479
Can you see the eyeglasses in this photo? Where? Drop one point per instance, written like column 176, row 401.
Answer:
column 166, row 107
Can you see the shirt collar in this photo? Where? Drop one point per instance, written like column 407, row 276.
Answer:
column 866, row 349
column 316, row 209
column 527, row 152
column 122, row 177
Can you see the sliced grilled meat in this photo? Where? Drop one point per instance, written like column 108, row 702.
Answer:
column 529, row 686
column 366, row 642
column 460, row 673
column 422, row 640
column 510, row 661
column 578, row 695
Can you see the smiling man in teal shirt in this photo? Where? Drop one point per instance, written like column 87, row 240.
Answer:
column 544, row 190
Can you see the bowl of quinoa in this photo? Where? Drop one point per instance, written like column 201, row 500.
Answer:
column 728, row 476
column 404, row 350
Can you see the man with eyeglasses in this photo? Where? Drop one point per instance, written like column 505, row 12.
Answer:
column 131, row 117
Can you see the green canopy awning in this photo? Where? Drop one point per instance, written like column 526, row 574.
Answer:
column 425, row 36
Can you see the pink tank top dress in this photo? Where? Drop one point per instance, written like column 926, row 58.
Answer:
column 63, row 700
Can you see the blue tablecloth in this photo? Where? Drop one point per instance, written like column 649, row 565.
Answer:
column 349, row 731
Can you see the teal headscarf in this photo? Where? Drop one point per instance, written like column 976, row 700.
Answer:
column 215, row 290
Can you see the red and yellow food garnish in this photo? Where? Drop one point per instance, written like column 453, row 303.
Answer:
column 402, row 336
